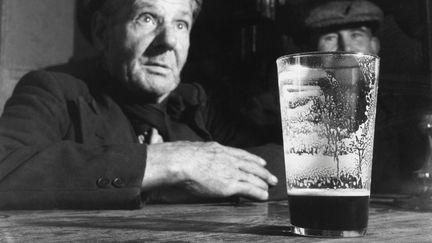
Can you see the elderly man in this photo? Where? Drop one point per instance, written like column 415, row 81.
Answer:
column 113, row 133
column 343, row 25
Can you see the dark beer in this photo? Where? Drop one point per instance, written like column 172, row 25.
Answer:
column 329, row 210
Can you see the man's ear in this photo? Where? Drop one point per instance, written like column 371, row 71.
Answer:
column 375, row 45
column 99, row 31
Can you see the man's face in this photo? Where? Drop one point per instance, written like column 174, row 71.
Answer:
column 146, row 44
column 359, row 39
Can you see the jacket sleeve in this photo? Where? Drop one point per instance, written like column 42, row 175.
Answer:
column 41, row 169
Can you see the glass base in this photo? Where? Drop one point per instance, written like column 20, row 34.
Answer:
column 328, row 233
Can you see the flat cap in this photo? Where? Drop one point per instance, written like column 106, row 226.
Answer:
column 341, row 12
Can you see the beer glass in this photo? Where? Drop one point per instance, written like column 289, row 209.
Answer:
column 328, row 104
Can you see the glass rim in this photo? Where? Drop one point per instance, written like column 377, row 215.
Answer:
column 325, row 53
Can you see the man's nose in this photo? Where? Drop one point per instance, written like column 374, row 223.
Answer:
column 344, row 44
column 166, row 38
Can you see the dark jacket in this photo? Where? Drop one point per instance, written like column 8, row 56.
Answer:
column 65, row 142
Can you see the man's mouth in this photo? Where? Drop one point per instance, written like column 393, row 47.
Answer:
column 158, row 67
column 158, row 64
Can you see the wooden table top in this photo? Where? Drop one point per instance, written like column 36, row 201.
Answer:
column 245, row 222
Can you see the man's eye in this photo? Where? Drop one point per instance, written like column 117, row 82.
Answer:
column 329, row 38
column 182, row 25
column 146, row 18
column 357, row 34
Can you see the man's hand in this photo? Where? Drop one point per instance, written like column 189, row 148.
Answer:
column 207, row 169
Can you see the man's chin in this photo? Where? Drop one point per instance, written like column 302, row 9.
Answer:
column 159, row 87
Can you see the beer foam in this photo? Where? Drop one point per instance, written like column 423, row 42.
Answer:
column 328, row 192
column 297, row 74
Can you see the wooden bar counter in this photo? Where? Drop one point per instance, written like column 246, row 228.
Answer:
column 244, row 222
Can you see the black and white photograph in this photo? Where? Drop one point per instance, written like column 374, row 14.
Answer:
column 215, row 121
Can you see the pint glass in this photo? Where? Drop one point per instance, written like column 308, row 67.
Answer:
column 328, row 104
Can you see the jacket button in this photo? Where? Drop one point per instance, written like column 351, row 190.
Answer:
column 118, row 182
column 103, row 182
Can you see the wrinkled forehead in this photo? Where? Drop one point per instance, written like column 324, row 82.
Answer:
column 364, row 27
column 187, row 3
column 184, row 7
column 128, row 6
